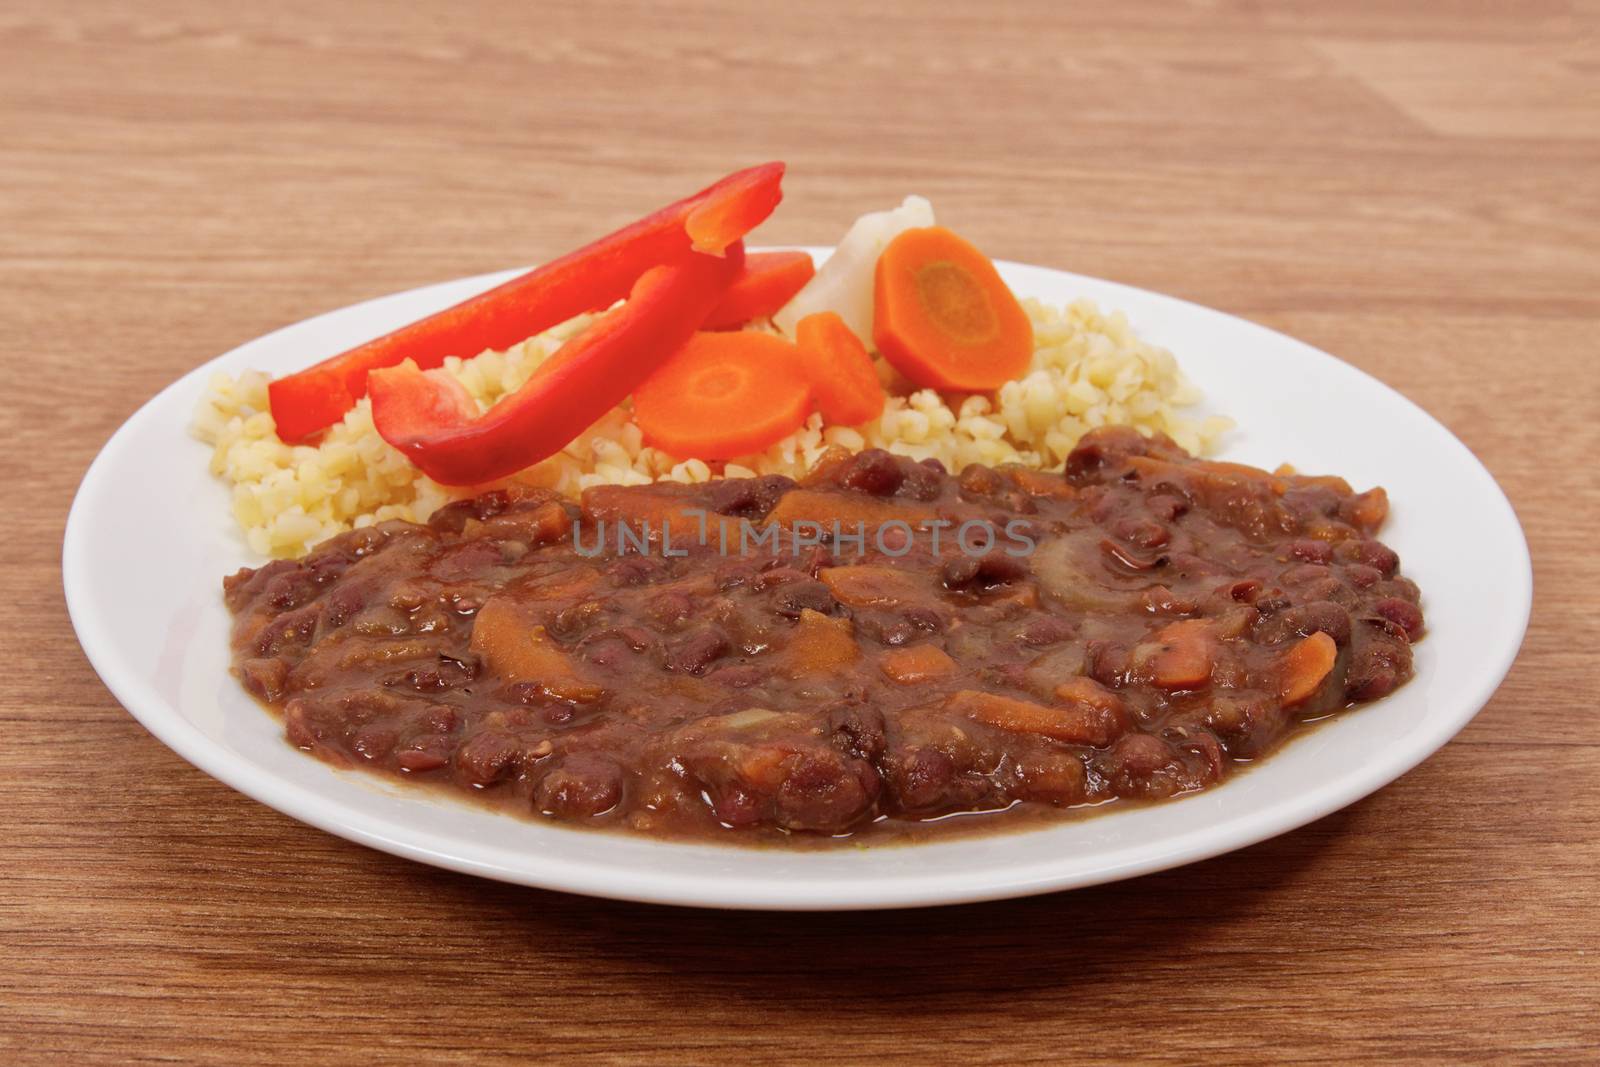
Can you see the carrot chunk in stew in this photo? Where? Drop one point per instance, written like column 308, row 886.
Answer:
column 850, row 512
column 821, row 644
column 1077, row 725
column 917, row 664
column 869, row 586
column 1306, row 665
column 1181, row 654
column 518, row 652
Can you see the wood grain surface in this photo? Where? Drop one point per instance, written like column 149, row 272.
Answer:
column 1415, row 187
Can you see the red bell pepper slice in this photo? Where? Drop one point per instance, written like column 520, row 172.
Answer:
column 429, row 417
column 769, row 281
column 595, row 276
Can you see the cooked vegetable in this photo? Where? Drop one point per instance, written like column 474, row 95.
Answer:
column 514, row 650
column 656, row 514
column 803, row 505
column 721, row 395
column 1305, row 665
column 916, row 664
column 1068, row 571
column 1182, row 655
column 1087, row 692
column 844, row 281
column 944, row 318
column 1076, row 725
column 843, row 380
column 769, row 281
column 744, row 720
column 725, row 211
column 1099, row 716
column 594, row 277
column 872, row 586
column 430, row 418
column 821, row 644
column 1370, row 509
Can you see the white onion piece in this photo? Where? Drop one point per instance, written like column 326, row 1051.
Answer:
column 844, row 283
column 741, row 720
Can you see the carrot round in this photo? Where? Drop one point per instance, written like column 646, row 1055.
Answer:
column 723, row 395
column 768, row 281
column 1305, row 665
column 944, row 318
column 843, row 380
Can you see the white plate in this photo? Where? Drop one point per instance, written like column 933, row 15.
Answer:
column 150, row 539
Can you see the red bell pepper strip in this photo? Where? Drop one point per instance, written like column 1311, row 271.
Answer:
column 769, row 281
column 429, row 417
column 594, row 277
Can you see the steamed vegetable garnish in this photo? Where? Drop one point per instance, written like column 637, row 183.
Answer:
column 416, row 413
column 768, row 282
column 844, row 281
column 723, row 395
column 951, row 372
column 842, row 376
column 945, row 318
column 594, row 277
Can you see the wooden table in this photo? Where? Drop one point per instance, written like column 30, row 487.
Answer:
column 1413, row 188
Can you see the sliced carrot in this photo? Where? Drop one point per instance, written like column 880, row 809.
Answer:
column 852, row 511
column 944, row 318
column 1100, row 715
column 1089, row 693
column 821, row 645
column 916, row 664
column 1222, row 478
column 843, row 379
column 513, row 649
column 1305, row 666
column 1077, row 725
column 768, row 281
column 1182, row 655
column 655, row 514
column 723, row 395
column 868, row 586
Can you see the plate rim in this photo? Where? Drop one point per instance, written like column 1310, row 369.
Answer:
column 305, row 805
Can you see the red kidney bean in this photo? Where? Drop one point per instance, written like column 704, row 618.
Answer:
column 1402, row 613
column 1308, row 550
column 487, row 756
column 580, row 786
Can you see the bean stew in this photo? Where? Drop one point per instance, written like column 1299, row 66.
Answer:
column 855, row 655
